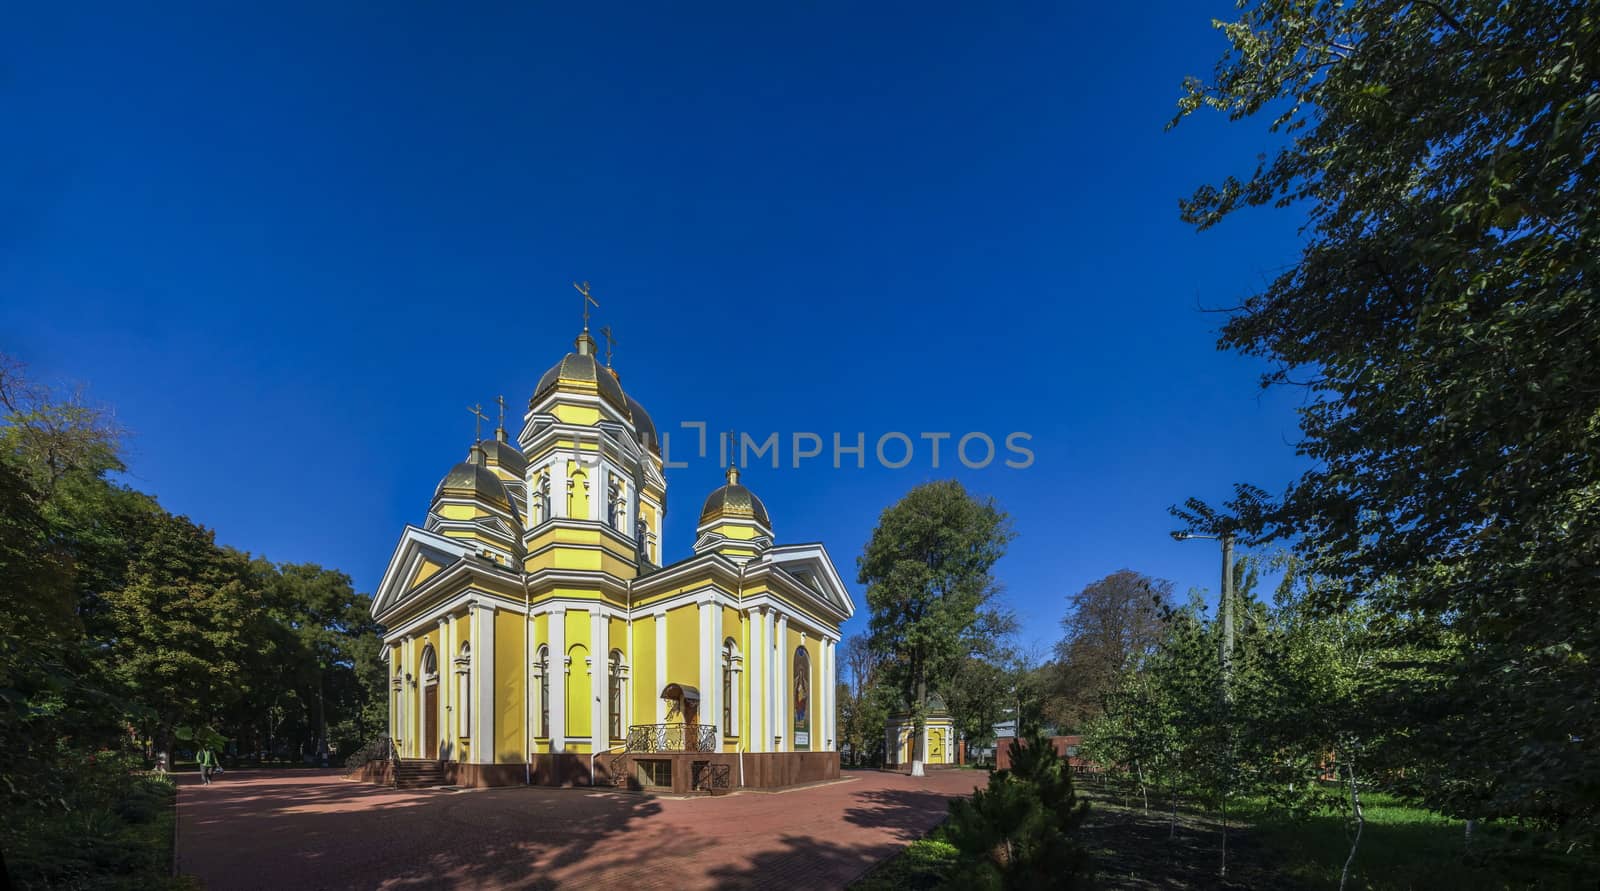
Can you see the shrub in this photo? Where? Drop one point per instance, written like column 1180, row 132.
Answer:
column 1020, row 831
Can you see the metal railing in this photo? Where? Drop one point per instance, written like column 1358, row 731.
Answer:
column 672, row 738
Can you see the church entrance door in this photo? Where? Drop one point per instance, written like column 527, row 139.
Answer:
column 430, row 720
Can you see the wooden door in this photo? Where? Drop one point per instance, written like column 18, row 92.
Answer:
column 430, row 720
column 936, row 747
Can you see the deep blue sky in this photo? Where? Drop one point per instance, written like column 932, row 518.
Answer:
column 289, row 246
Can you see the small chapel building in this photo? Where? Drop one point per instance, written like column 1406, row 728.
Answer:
column 939, row 744
column 535, row 631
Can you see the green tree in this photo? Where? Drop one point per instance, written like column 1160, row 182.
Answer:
column 1109, row 625
column 187, row 625
column 1443, row 320
column 1020, row 831
column 927, row 573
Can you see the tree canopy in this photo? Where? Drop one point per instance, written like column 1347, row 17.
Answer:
column 1442, row 321
column 929, row 585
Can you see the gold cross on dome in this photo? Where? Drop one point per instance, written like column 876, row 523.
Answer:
column 587, row 300
column 477, row 426
column 502, row 400
column 611, row 341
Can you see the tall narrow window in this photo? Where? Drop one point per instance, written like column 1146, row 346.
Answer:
column 464, row 676
column 544, row 692
column 730, row 687
column 614, row 700
column 802, row 699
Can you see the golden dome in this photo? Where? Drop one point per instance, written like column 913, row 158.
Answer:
column 501, row 453
column 471, row 479
column 734, row 501
column 581, row 372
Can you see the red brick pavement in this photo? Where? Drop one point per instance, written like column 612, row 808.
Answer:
column 316, row 830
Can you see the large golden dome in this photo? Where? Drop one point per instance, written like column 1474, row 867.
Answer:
column 579, row 371
column 734, row 501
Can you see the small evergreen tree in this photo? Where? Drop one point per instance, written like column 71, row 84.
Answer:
column 1020, row 831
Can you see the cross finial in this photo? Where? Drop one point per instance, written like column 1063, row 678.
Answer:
column 501, row 399
column 587, row 300
column 477, row 426
column 733, row 453
column 611, row 341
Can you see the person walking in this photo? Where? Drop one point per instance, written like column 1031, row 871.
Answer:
column 208, row 764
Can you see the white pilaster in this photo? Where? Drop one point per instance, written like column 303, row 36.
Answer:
column 769, row 742
column 600, row 683
column 755, row 733
column 782, row 688
column 715, row 656
column 447, row 738
column 708, row 665
column 559, row 671
column 831, row 677
column 558, row 496
column 408, row 693
column 661, row 665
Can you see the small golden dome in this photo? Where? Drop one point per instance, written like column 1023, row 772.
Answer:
column 735, row 501
column 471, row 479
column 501, row 453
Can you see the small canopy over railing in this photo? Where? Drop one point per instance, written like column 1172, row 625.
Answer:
column 672, row 738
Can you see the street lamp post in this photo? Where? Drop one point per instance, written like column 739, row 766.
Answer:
column 1225, row 608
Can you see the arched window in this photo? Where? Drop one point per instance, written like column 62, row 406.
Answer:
column 802, row 699
column 614, row 697
column 544, row 691
column 731, row 664
column 464, row 686
column 430, row 663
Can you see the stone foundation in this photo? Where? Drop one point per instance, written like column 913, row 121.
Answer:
column 768, row 770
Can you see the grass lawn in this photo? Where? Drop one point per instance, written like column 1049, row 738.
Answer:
column 1405, row 847
column 922, row 865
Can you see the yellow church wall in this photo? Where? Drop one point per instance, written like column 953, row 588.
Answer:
column 576, row 414
column 654, row 522
column 618, row 636
column 541, row 637
column 425, row 572
column 693, row 583
column 646, row 686
column 683, row 650
column 578, row 697
column 814, row 675
column 457, row 511
column 577, row 491
column 460, row 633
column 508, row 686
column 742, row 533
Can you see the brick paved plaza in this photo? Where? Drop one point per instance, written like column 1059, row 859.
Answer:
column 317, row 830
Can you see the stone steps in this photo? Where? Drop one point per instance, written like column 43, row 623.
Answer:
column 418, row 774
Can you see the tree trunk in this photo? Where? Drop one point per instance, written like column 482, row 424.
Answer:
column 917, row 729
column 1139, row 769
column 1360, row 821
column 1223, row 872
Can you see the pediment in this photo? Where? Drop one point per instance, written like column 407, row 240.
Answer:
column 417, row 550
column 810, row 567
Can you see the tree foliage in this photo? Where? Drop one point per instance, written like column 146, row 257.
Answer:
column 125, row 628
column 1109, row 624
column 927, row 574
column 1020, row 831
column 1443, row 321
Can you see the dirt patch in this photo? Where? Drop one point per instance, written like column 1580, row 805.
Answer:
column 1139, row 850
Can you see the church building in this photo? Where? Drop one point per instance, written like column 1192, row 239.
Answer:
column 536, row 633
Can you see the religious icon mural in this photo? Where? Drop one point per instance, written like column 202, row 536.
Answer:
column 802, row 699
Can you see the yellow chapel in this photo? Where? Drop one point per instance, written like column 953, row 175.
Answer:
column 535, row 633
